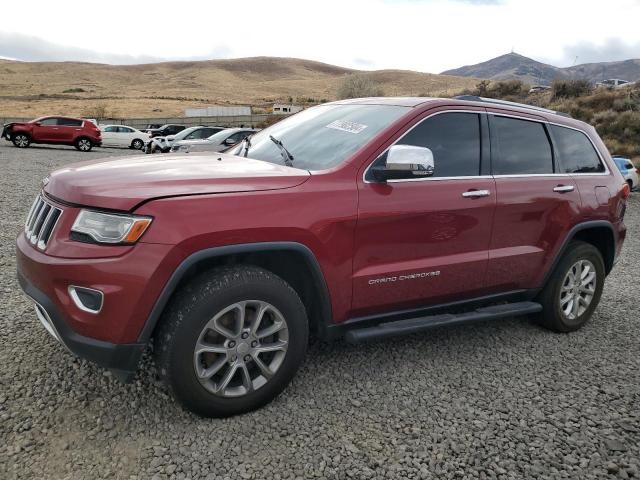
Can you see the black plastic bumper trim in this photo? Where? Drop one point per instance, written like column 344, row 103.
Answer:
column 121, row 359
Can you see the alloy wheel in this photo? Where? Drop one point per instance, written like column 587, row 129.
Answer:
column 578, row 289
column 84, row 145
column 241, row 348
column 21, row 141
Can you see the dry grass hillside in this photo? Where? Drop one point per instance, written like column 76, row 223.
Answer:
column 30, row 89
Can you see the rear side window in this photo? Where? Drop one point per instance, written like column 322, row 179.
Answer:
column 576, row 153
column 521, row 147
column 69, row 122
column 454, row 139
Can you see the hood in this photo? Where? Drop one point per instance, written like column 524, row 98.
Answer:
column 123, row 183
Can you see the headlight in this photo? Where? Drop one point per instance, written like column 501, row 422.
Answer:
column 110, row 228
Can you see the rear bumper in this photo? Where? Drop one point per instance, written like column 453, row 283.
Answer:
column 122, row 359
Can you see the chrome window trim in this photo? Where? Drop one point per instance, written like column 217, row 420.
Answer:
column 607, row 171
column 468, row 177
column 595, row 174
column 76, row 299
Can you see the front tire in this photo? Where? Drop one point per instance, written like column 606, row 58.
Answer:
column 573, row 291
column 21, row 140
column 83, row 144
column 231, row 341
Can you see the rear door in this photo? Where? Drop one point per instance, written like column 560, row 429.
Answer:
column 537, row 204
column 68, row 129
column 125, row 136
column 425, row 241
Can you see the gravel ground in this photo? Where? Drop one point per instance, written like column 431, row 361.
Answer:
column 497, row 400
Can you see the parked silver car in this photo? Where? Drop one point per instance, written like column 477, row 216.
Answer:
column 163, row 144
column 215, row 143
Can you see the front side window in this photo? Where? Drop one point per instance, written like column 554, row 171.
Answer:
column 454, row 140
column 521, row 147
column 49, row 121
column 322, row 137
column 576, row 153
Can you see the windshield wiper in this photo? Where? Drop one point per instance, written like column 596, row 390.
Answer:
column 247, row 145
column 286, row 155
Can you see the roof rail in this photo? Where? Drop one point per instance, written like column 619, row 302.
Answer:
column 475, row 98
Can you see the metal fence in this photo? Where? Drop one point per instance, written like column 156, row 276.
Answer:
column 223, row 121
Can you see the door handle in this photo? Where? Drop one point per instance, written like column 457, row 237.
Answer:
column 563, row 188
column 476, row 193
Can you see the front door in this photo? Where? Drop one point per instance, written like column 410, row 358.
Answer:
column 46, row 130
column 425, row 241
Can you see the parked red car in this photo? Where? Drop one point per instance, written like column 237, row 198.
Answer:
column 82, row 134
column 366, row 218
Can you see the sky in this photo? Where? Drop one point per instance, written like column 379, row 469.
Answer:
column 422, row 35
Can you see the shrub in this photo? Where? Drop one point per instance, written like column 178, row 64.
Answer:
column 570, row 88
column 358, row 85
column 97, row 111
column 507, row 88
column 74, row 90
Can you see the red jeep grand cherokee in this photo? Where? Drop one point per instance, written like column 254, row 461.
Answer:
column 366, row 218
column 82, row 134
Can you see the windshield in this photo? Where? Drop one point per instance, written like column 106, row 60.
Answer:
column 322, row 137
column 183, row 133
column 220, row 136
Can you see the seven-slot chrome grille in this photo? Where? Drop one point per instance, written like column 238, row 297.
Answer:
column 41, row 221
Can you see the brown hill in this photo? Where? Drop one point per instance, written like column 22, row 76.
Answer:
column 30, row 89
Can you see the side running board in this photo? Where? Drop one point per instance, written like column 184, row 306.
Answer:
column 414, row 325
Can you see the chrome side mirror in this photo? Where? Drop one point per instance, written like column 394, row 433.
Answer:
column 405, row 162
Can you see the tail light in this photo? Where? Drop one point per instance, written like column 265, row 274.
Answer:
column 626, row 191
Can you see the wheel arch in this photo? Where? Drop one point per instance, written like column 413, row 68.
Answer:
column 293, row 262
column 599, row 233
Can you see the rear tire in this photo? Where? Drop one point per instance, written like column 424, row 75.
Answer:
column 137, row 144
column 83, row 144
column 209, row 351
column 21, row 140
column 573, row 291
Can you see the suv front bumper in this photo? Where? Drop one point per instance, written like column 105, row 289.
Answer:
column 130, row 285
column 122, row 359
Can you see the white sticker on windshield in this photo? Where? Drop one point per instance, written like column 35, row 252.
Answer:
column 351, row 127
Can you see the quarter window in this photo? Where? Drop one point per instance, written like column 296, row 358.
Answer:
column 522, row 147
column 454, row 139
column 575, row 151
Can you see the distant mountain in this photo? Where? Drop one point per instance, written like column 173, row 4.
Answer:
column 515, row 66
column 32, row 89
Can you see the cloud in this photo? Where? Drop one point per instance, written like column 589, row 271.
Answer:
column 364, row 63
column 34, row 49
column 613, row 49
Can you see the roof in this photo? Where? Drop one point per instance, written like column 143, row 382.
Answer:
column 397, row 101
